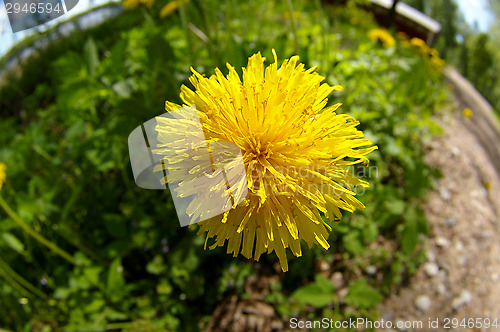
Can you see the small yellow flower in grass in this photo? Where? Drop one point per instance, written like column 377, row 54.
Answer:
column 383, row 36
column 467, row 113
column 419, row 44
column 171, row 7
column 3, row 175
column 295, row 152
column 437, row 62
column 128, row 4
column 433, row 52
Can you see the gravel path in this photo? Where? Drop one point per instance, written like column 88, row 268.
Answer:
column 461, row 278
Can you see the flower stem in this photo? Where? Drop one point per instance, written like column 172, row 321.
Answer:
column 184, row 23
column 294, row 27
column 18, row 282
column 35, row 234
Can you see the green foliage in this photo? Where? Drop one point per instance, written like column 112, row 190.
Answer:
column 319, row 293
column 361, row 295
column 63, row 136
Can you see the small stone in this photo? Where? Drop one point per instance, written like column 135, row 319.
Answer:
column 465, row 297
column 450, row 221
column 494, row 277
column 371, row 270
column 423, row 303
column 441, row 289
column 442, row 242
column 324, row 266
column 431, row 269
column 455, row 151
column 343, row 292
column 445, row 194
column 431, row 256
column 337, row 280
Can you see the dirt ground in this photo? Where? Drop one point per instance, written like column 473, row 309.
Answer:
column 461, row 277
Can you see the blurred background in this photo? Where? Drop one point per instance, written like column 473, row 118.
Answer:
column 82, row 248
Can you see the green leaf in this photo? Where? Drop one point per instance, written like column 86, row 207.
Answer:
column 156, row 266
column 13, row 242
column 318, row 294
column 409, row 236
column 116, row 281
column 352, row 242
column 91, row 55
column 362, row 295
column 370, row 232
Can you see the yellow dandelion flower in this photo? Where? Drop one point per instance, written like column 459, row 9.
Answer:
column 171, row 7
column 383, row 36
column 3, row 175
column 433, row 52
column 420, row 45
column 128, row 4
column 467, row 113
column 295, row 152
column 437, row 62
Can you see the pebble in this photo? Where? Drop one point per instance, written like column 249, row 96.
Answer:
column 441, row 289
column 343, row 293
column 431, row 256
column 337, row 280
column 455, row 151
column 459, row 246
column 431, row 269
column 442, row 242
column 324, row 266
column 423, row 303
column 371, row 270
column 445, row 194
column 465, row 297
column 450, row 221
